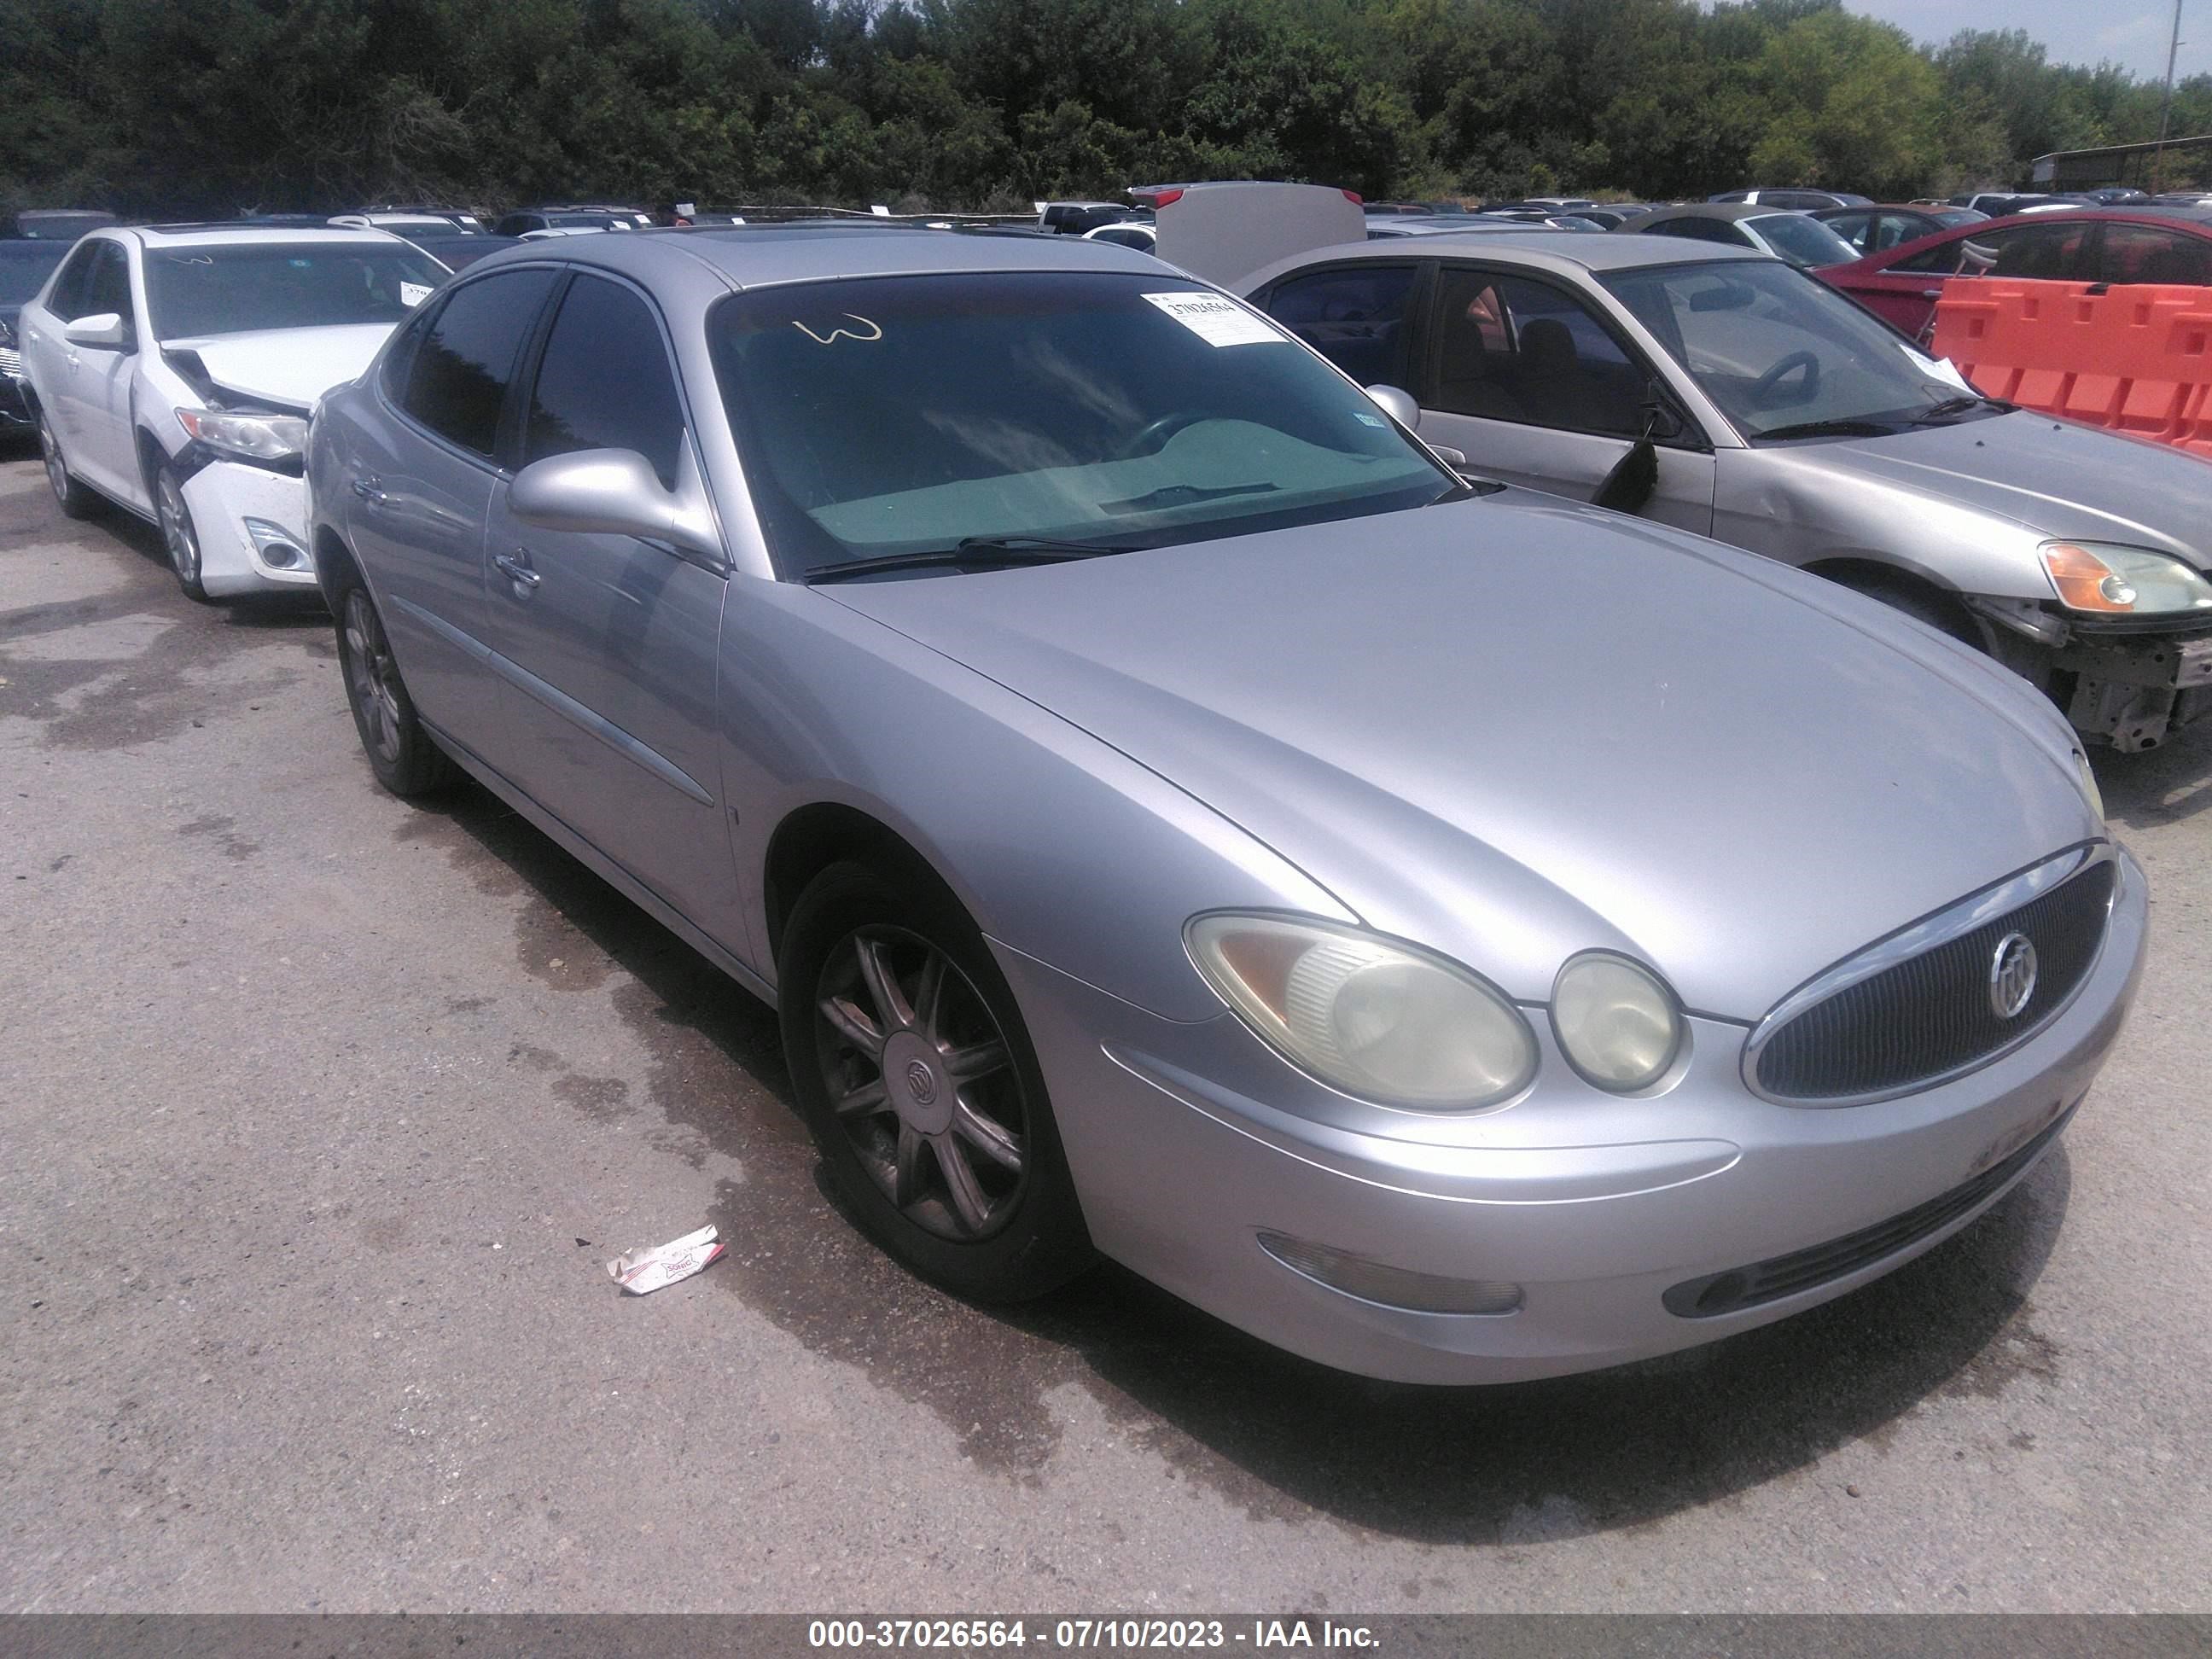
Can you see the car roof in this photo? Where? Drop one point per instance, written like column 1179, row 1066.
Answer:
column 218, row 235
column 1560, row 254
column 1732, row 210
column 818, row 250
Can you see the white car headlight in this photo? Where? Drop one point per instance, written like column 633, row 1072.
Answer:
column 1381, row 1020
column 1616, row 1021
column 259, row 437
column 2098, row 578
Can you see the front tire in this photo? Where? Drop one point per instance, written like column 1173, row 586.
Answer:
column 915, row 1074
column 180, row 538
column 75, row 500
column 401, row 751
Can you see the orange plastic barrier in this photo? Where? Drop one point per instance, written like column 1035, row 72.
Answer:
column 2136, row 359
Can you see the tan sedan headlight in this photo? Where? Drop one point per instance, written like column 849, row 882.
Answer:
column 1376, row 1019
column 1616, row 1021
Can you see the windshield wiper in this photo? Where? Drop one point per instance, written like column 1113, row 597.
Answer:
column 984, row 551
column 1857, row 428
column 1951, row 406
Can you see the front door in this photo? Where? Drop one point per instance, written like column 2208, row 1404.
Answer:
column 608, row 643
column 1536, row 389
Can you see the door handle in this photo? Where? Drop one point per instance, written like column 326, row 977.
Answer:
column 1931, row 293
column 516, row 567
column 367, row 490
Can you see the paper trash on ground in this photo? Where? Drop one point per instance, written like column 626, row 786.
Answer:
column 641, row 1272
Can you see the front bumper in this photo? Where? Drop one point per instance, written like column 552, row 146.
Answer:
column 222, row 495
column 1596, row 1206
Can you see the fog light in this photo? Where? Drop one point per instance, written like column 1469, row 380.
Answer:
column 1393, row 1287
column 274, row 545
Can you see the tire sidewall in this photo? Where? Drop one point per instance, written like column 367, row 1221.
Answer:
column 166, row 483
column 421, row 766
column 1045, row 1243
column 74, row 499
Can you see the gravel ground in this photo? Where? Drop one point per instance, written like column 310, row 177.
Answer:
column 320, row 1112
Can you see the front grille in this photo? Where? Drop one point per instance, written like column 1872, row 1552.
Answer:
column 1930, row 1016
column 1803, row 1270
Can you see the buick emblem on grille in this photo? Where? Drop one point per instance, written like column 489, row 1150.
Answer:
column 2012, row 975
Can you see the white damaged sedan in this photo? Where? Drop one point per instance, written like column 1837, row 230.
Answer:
column 173, row 369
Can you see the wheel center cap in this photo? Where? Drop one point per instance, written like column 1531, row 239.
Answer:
column 914, row 1077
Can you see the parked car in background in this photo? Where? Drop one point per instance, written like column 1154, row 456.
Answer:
column 2086, row 244
column 409, row 225
column 2002, row 204
column 1797, row 198
column 1873, row 229
column 2116, row 196
column 523, row 221
column 52, row 224
column 1790, row 424
column 25, row 265
column 173, row 368
column 1078, row 218
column 461, row 219
column 1787, row 233
column 456, row 250
column 1140, row 233
column 1472, row 224
column 1610, row 215
column 1185, row 822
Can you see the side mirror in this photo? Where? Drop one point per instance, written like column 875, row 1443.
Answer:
column 1663, row 422
column 103, row 329
column 1398, row 405
column 616, row 492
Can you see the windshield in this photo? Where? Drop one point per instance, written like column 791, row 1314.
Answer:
column 24, row 268
column 1803, row 241
column 192, row 291
column 1776, row 350
column 903, row 415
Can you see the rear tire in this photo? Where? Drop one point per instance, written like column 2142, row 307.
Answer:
column 917, row 1075
column 75, row 500
column 405, row 758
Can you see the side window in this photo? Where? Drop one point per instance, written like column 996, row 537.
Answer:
column 400, row 359
column 108, row 288
column 605, row 381
column 1512, row 350
column 1354, row 316
column 2145, row 253
column 1704, row 230
column 1890, row 230
column 2044, row 252
column 1941, row 260
column 72, row 285
column 1852, row 227
column 459, row 376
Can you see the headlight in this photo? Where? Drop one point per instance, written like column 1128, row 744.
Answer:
column 1616, row 1022
column 1377, row 1019
column 2101, row 580
column 2089, row 785
column 260, row 437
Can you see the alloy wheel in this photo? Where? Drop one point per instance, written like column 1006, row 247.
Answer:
column 178, row 536
column 922, row 1079
column 370, row 675
column 56, row 469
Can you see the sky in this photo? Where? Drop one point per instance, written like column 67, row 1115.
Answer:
column 2132, row 33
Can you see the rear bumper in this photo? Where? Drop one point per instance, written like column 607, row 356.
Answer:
column 1183, row 1155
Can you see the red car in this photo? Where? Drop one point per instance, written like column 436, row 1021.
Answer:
column 2091, row 245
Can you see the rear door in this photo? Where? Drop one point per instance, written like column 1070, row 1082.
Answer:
column 609, row 642
column 1904, row 291
column 425, row 465
column 49, row 360
column 1538, row 388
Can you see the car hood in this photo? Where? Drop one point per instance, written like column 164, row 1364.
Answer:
column 292, row 366
column 1510, row 729
column 2054, row 478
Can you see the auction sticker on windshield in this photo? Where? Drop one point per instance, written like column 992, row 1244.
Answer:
column 1216, row 321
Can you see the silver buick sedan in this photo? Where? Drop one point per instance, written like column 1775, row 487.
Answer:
column 1452, row 932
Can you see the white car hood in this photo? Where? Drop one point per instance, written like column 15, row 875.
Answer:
column 292, row 366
